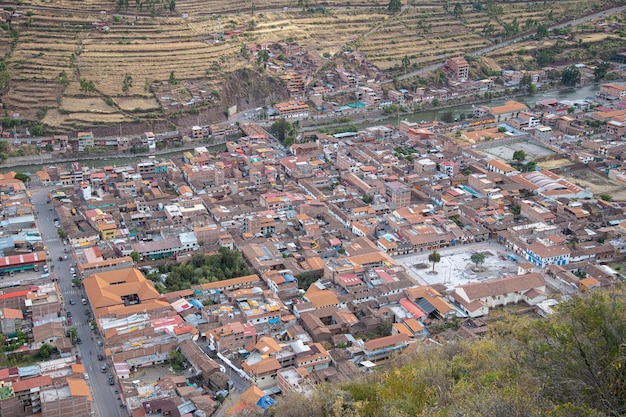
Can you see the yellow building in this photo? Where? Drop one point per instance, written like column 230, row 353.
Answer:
column 103, row 223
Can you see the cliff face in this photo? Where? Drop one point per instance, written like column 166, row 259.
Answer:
column 250, row 89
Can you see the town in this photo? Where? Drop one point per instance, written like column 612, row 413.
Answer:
column 212, row 282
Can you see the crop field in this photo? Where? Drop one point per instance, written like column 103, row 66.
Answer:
column 53, row 44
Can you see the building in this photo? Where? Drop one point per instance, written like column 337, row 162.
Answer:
column 543, row 253
column 398, row 193
column 122, row 293
column 477, row 298
column 614, row 91
column 85, row 140
column 459, row 68
column 381, row 349
column 292, row 109
column 509, row 110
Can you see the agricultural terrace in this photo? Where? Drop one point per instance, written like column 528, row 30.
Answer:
column 50, row 46
column 430, row 33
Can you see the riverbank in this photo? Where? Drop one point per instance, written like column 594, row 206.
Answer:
column 458, row 106
column 36, row 162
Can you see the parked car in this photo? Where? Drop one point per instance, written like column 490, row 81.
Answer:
column 72, row 302
column 78, row 341
column 84, row 301
column 68, row 314
column 60, row 258
column 103, row 368
column 100, row 357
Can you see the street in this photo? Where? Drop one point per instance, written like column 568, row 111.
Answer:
column 106, row 400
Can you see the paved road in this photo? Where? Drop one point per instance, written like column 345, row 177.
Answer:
column 107, row 402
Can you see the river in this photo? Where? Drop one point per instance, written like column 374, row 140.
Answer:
column 435, row 114
column 116, row 160
column 561, row 94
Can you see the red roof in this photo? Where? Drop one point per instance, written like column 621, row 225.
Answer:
column 27, row 258
column 412, row 308
column 30, row 383
column 14, row 294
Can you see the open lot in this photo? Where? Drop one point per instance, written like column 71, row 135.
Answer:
column 555, row 163
column 505, row 152
column 598, row 183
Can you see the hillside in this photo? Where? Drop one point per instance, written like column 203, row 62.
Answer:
column 572, row 364
column 152, row 60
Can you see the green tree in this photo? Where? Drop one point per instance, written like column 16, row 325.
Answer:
column 542, row 31
column 172, row 79
column 281, row 129
column 394, row 6
column 447, row 116
column 61, row 233
column 135, row 256
column 515, row 210
column 606, row 197
column 583, row 349
column 5, row 77
column 63, row 79
column 406, row 63
column 87, row 86
column 172, row 5
column 263, row 56
column 530, row 166
column 22, row 177
column 177, row 360
column 384, row 328
column 72, row 333
column 544, row 57
column 127, row 83
column 367, row 199
column 526, row 81
column 519, row 155
column 478, row 258
column 570, row 76
column 600, row 71
column 434, row 258
column 458, row 9
column 45, row 351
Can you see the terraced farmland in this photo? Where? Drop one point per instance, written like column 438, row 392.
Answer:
column 57, row 45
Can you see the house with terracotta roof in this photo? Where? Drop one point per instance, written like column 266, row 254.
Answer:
column 123, row 293
column 500, row 167
column 544, row 252
column 203, row 366
column 264, row 372
column 381, row 349
column 38, row 395
column 476, row 298
column 252, row 399
column 431, row 302
column 232, row 336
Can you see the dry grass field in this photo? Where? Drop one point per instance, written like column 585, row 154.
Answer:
column 57, row 45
